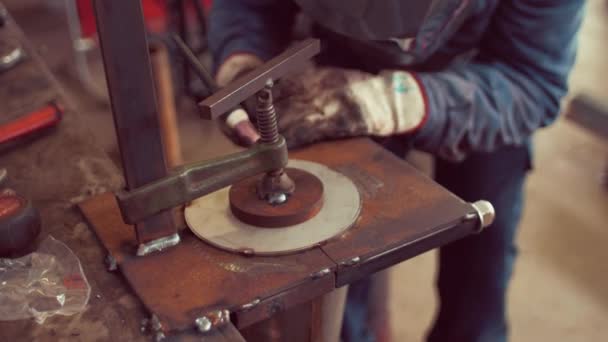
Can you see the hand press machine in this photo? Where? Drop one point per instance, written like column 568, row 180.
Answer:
column 271, row 230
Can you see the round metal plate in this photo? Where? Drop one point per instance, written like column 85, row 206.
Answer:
column 302, row 205
column 211, row 219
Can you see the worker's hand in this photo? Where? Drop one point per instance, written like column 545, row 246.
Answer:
column 236, row 124
column 329, row 103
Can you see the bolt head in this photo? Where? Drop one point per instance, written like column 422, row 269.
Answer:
column 203, row 324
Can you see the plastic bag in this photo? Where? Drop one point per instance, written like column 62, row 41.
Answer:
column 47, row 282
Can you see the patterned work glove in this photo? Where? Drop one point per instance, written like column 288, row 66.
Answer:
column 325, row 103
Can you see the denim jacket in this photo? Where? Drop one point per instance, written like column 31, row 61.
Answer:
column 518, row 57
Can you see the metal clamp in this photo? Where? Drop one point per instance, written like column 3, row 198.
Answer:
column 193, row 181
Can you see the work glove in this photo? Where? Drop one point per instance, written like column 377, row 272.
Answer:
column 236, row 124
column 329, row 103
column 324, row 103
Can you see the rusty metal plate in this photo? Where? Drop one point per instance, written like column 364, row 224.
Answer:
column 304, row 203
column 211, row 219
column 404, row 213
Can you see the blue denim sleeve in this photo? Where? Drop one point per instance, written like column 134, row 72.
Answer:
column 259, row 27
column 513, row 86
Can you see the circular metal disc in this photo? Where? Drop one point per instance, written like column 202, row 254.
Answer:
column 211, row 219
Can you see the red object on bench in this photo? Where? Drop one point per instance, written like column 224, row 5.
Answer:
column 30, row 123
column 154, row 12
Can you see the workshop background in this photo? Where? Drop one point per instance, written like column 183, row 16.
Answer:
column 560, row 287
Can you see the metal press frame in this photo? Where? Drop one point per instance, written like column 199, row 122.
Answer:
column 151, row 190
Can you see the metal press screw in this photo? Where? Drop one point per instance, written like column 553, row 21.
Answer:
column 276, row 186
column 267, row 115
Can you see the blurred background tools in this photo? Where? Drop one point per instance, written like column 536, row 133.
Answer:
column 19, row 221
column 28, row 108
column 29, row 105
column 11, row 52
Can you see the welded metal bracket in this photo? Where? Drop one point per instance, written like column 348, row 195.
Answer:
column 158, row 244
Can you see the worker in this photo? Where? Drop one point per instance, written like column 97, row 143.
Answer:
column 470, row 85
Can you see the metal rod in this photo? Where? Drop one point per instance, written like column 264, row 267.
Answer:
column 202, row 21
column 182, row 22
column 292, row 60
column 191, row 60
column 124, row 48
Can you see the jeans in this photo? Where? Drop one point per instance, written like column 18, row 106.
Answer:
column 474, row 272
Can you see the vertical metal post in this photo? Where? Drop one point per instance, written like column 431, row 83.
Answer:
column 122, row 34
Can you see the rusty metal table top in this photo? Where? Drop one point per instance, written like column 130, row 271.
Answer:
column 404, row 213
